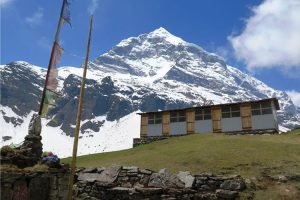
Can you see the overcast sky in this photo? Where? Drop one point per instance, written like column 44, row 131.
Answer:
column 261, row 38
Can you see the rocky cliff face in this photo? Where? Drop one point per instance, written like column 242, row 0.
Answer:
column 151, row 72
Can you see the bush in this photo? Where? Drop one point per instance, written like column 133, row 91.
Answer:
column 6, row 150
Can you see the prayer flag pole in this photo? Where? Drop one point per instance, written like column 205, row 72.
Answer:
column 79, row 111
column 52, row 62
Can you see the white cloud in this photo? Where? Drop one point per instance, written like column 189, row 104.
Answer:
column 92, row 6
column 271, row 37
column 36, row 18
column 5, row 2
column 295, row 96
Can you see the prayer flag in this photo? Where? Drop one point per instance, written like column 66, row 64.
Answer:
column 49, row 102
column 65, row 15
column 53, row 74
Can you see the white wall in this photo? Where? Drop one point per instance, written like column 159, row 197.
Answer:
column 231, row 124
column 203, row 126
column 154, row 129
column 178, row 128
column 263, row 122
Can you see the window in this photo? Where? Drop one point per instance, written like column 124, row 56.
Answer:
column 203, row 114
column 235, row 111
column 261, row 108
column 155, row 118
column 230, row 111
column 266, row 108
column 177, row 116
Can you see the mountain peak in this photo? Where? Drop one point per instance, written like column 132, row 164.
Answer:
column 163, row 33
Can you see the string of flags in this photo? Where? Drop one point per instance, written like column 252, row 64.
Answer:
column 50, row 95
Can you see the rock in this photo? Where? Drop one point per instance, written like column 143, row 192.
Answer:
column 29, row 153
column 109, row 175
column 149, row 191
column 282, row 178
column 122, row 190
column 234, row 184
column 10, row 177
column 35, row 126
column 145, row 171
column 126, row 184
column 89, row 170
column 226, row 194
column 200, row 180
column 201, row 196
column 223, row 178
column 6, row 137
column 206, row 174
column 295, row 177
column 100, row 169
column 20, row 191
column 164, row 179
column 38, row 189
column 89, row 177
column 250, row 184
column 130, row 168
column 186, row 178
column 144, row 179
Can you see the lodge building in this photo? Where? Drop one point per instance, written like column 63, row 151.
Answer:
column 231, row 117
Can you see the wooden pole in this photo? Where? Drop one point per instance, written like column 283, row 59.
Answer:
column 51, row 56
column 78, row 119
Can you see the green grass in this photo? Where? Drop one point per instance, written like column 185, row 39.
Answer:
column 205, row 152
column 247, row 155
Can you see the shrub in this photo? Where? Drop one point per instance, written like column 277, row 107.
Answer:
column 6, row 150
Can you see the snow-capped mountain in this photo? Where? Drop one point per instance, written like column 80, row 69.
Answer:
column 153, row 71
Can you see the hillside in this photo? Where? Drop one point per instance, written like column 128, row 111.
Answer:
column 257, row 157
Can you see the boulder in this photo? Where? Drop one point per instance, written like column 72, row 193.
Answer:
column 164, row 179
column 110, row 174
column 226, row 194
column 234, row 184
column 186, row 178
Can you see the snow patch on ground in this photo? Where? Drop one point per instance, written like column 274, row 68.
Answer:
column 8, row 129
column 283, row 129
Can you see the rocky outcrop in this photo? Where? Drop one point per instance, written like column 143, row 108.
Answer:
column 121, row 182
column 30, row 152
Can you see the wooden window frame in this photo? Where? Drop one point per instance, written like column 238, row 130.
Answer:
column 155, row 118
column 203, row 114
column 262, row 108
column 231, row 111
column 177, row 116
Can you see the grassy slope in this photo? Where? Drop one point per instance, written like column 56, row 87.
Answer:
column 247, row 155
column 205, row 152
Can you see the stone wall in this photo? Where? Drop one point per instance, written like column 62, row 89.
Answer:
column 147, row 140
column 30, row 152
column 150, row 139
column 128, row 183
column 50, row 184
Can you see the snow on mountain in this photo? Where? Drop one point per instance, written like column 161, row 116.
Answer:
column 115, row 135
column 153, row 71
